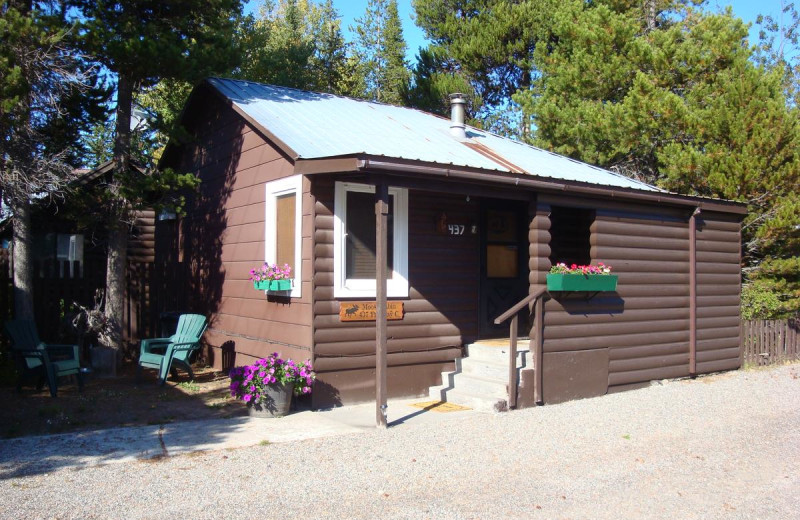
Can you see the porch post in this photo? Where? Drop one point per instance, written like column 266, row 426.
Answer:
column 381, row 234
column 539, row 263
column 693, row 293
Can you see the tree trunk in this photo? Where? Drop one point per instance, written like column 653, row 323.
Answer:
column 115, row 280
column 117, row 226
column 23, row 267
column 649, row 7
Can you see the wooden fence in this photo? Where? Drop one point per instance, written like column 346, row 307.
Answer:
column 56, row 285
column 769, row 342
column 151, row 290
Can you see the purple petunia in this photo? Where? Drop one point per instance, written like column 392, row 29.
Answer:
column 248, row 382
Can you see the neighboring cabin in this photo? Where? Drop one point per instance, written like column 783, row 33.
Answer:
column 476, row 221
column 69, row 262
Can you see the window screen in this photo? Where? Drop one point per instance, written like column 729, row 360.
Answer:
column 570, row 233
column 360, row 236
column 285, row 229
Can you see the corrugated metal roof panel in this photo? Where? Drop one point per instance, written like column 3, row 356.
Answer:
column 318, row 125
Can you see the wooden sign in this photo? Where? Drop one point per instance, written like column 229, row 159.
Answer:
column 367, row 311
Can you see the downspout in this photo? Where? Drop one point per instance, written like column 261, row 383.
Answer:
column 693, row 293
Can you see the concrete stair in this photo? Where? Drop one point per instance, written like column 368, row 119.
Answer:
column 480, row 379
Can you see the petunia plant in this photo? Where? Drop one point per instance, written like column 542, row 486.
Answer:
column 562, row 268
column 271, row 272
column 249, row 383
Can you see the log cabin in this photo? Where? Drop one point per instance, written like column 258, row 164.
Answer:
column 466, row 225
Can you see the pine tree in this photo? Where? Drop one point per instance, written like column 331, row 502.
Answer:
column 330, row 58
column 142, row 42
column 380, row 51
column 682, row 104
column 492, row 42
column 295, row 44
column 434, row 78
column 41, row 81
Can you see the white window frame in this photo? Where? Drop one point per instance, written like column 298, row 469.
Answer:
column 275, row 189
column 397, row 285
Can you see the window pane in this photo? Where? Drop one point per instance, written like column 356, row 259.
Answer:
column 285, row 230
column 501, row 226
column 360, row 236
column 501, row 261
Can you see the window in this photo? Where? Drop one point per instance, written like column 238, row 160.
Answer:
column 66, row 249
column 283, row 222
column 570, row 233
column 502, row 254
column 354, row 241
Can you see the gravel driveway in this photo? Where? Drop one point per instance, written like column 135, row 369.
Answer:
column 724, row 446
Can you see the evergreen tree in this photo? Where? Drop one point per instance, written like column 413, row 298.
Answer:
column 330, row 59
column 380, row 51
column 492, row 42
column 778, row 46
column 295, row 43
column 142, row 42
column 42, row 81
column 434, row 78
column 680, row 103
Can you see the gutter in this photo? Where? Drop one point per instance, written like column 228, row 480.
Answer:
column 368, row 164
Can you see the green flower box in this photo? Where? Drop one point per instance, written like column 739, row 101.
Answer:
column 273, row 285
column 581, row 282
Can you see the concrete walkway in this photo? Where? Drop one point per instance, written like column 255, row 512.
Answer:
column 78, row 450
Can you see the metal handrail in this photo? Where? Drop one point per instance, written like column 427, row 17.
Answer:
column 513, row 313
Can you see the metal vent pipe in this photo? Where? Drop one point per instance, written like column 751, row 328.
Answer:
column 457, row 114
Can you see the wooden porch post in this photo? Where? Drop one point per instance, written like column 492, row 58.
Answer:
column 381, row 234
column 693, row 293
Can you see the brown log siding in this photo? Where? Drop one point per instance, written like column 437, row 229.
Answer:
column 223, row 238
column 441, row 312
column 645, row 324
column 142, row 240
column 718, row 292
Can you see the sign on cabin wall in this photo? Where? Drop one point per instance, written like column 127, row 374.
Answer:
column 445, row 226
column 367, row 311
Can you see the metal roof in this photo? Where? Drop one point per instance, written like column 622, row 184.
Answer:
column 318, row 126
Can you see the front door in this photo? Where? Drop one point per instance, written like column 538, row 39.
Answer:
column 504, row 263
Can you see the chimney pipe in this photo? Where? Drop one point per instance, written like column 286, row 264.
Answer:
column 457, row 111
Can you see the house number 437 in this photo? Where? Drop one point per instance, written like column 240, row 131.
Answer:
column 456, row 229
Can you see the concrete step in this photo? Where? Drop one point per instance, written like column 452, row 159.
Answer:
column 480, row 380
column 463, row 398
column 493, row 369
column 495, row 352
column 477, row 385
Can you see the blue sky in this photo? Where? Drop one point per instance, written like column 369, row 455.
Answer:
column 349, row 10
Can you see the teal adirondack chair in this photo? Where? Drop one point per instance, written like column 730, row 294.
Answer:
column 165, row 354
column 48, row 362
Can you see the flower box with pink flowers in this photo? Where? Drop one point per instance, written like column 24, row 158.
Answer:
column 593, row 278
column 272, row 278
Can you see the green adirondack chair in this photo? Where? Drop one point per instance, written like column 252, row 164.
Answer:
column 165, row 354
column 47, row 362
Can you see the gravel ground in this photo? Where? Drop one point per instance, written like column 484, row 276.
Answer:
column 725, row 446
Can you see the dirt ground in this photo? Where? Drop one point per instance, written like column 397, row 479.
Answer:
column 106, row 403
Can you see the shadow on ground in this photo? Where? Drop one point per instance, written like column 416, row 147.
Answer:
column 109, row 403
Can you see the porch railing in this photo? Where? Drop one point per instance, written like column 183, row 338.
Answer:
column 513, row 313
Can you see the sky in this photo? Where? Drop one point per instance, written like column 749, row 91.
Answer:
column 349, row 10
